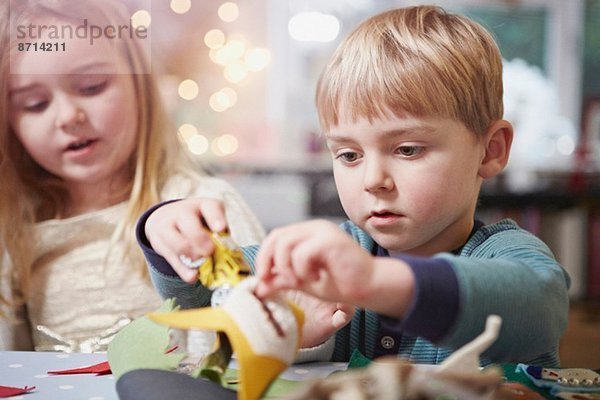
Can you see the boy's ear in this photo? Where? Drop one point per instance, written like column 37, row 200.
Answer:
column 497, row 140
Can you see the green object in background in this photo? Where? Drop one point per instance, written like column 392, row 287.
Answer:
column 278, row 389
column 214, row 365
column 142, row 344
column 281, row 388
column 513, row 374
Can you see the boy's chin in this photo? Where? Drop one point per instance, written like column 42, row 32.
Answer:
column 395, row 243
column 388, row 241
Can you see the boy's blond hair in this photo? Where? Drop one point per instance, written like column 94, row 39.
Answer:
column 30, row 194
column 420, row 61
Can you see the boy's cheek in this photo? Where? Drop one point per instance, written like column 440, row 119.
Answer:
column 350, row 197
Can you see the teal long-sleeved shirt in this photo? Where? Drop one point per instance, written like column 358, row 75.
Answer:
column 502, row 270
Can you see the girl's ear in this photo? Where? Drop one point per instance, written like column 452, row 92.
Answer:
column 498, row 140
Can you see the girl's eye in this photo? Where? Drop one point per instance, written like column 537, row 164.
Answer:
column 96, row 88
column 409, row 151
column 37, row 106
column 348, row 156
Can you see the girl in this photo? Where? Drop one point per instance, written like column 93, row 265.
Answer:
column 84, row 149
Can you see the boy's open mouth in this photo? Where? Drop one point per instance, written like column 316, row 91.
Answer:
column 383, row 218
column 383, row 214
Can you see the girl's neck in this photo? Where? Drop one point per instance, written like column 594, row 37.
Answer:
column 89, row 197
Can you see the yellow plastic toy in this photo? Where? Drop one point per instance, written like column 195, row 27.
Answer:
column 226, row 266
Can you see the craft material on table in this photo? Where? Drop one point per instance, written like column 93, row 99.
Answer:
column 264, row 334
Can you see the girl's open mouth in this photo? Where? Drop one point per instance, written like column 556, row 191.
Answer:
column 81, row 144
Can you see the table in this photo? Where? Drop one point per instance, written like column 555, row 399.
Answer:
column 21, row 369
column 24, row 368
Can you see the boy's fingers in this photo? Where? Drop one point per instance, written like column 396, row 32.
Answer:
column 340, row 318
column 346, row 308
column 306, row 260
column 264, row 259
column 268, row 288
column 283, row 263
column 262, row 290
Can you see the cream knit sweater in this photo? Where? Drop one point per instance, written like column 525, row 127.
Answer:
column 84, row 294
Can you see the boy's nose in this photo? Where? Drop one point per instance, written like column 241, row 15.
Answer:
column 68, row 115
column 376, row 177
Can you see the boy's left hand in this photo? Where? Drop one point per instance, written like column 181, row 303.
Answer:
column 316, row 257
column 321, row 318
column 320, row 259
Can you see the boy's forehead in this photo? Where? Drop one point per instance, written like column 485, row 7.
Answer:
column 348, row 112
column 391, row 124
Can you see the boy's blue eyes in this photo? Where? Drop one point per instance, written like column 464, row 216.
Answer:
column 404, row 151
column 348, row 156
column 409, row 151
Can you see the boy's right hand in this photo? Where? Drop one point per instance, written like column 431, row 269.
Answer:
column 322, row 319
column 182, row 228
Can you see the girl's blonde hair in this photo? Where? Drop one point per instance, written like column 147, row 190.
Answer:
column 420, row 61
column 31, row 194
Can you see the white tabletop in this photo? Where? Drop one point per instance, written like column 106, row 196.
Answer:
column 20, row 369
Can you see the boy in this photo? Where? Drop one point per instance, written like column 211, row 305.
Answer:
column 411, row 109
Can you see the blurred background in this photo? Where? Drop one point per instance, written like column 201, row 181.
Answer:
column 239, row 79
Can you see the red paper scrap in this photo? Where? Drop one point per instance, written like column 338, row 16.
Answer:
column 172, row 349
column 7, row 391
column 102, row 368
column 99, row 369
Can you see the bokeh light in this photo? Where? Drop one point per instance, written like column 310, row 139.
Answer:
column 186, row 131
column 227, row 144
column 235, row 72
column 257, row 59
column 188, row 89
column 228, row 12
column 141, row 18
column 229, row 53
column 313, row 27
column 214, row 38
column 198, row 144
column 218, row 101
column 224, row 145
column 181, row 6
column 231, row 95
column 565, row 145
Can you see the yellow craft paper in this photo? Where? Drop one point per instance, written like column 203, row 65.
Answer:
column 256, row 371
